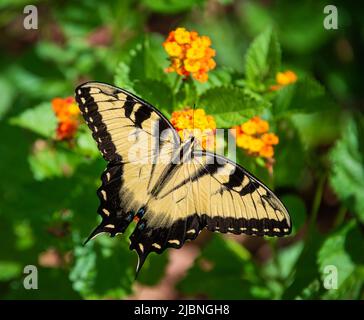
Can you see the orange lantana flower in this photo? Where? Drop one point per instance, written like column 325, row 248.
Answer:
column 283, row 79
column 197, row 123
column 254, row 138
column 190, row 54
column 67, row 113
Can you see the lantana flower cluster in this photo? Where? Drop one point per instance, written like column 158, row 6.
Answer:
column 189, row 54
column 254, row 137
column 67, row 113
column 283, row 79
column 197, row 123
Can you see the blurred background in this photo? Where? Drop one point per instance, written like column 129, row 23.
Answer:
column 48, row 187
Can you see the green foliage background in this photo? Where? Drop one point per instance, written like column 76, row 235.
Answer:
column 47, row 188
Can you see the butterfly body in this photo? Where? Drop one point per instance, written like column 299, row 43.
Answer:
column 173, row 187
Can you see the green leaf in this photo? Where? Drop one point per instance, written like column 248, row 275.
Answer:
column 330, row 122
column 49, row 162
column 157, row 93
column 122, row 78
column 288, row 169
column 153, row 269
column 227, row 272
column 86, row 145
column 305, row 272
column 279, row 269
column 217, row 78
column 40, row 120
column 146, row 62
column 297, row 209
column 7, row 96
column 298, row 36
column 53, row 52
column 231, row 106
column 227, row 40
column 304, row 96
column 53, row 284
column 341, row 251
column 9, row 270
column 104, row 269
column 255, row 17
column 347, row 159
column 263, row 59
column 171, row 6
column 36, row 86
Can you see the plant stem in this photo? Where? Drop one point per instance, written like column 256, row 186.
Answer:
column 312, row 220
column 340, row 217
column 176, row 84
column 316, row 204
column 274, row 248
column 175, row 89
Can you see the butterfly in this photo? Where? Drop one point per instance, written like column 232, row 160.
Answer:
column 173, row 188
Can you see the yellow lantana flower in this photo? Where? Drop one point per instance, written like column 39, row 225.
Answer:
column 192, row 65
column 182, row 36
column 249, row 127
column 197, row 123
column 173, row 49
column 283, row 79
column 253, row 137
column 189, row 54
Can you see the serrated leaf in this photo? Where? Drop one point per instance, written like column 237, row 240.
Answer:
column 279, row 269
column 122, row 78
column 217, row 78
column 341, row 251
column 40, row 120
column 146, row 62
column 347, row 176
column 104, row 269
column 231, row 106
column 157, row 93
column 263, row 59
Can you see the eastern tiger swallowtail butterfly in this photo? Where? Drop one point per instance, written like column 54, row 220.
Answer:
column 174, row 200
